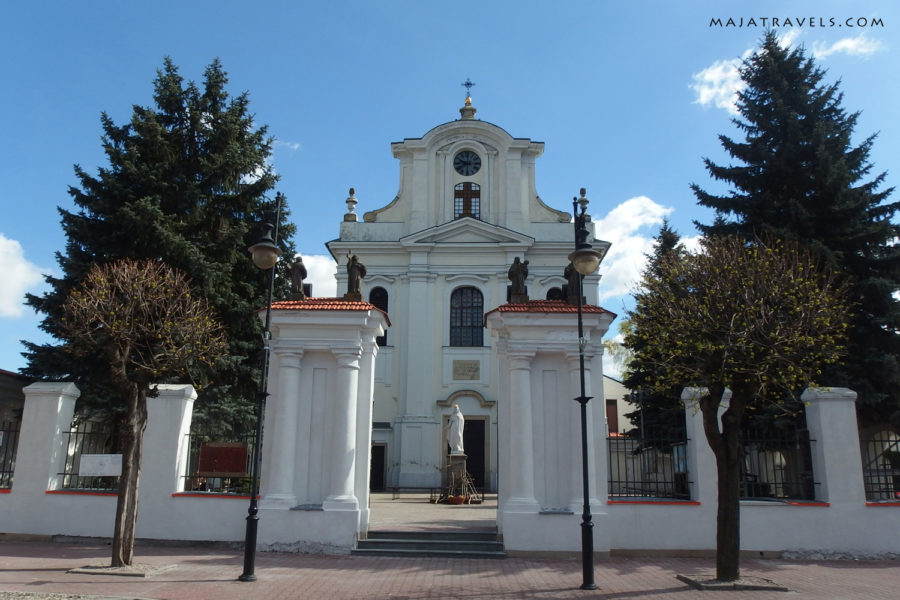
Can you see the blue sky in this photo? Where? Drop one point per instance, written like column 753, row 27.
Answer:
column 628, row 98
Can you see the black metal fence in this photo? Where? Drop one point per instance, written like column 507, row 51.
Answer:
column 89, row 437
column 648, row 468
column 777, row 463
column 217, row 466
column 9, row 444
column 881, row 466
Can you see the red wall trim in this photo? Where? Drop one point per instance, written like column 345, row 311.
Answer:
column 207, row 495
column 657, row 502
column 81, row 493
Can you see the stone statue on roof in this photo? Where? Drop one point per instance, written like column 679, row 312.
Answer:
column 355, row 272
column 518, row 272
column 298, row 274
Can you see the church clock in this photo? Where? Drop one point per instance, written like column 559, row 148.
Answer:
column 467, row 163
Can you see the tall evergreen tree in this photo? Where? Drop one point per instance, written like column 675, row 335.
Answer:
column 659, row 416
column 797, row 175
column 188, row 182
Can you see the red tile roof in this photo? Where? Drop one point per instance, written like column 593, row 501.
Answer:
column 549, row 306
column 327, row 304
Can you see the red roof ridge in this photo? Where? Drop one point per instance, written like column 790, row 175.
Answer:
column 327, row 304
column 549, row 306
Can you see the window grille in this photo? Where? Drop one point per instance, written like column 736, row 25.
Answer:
column 466, row 315
column 379, row 297
column 9, row 443
column 467, row 200
column 881, row 466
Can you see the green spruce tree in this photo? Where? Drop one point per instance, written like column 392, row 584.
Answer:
column 659, row 416
column 188, row 182
column 797, row 175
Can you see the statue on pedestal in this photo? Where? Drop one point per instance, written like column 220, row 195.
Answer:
column 455, row 431
column 355, row 272
column 298, row 274
column 517, row 274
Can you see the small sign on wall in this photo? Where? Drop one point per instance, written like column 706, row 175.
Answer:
column 466, row 370
column 100, row 465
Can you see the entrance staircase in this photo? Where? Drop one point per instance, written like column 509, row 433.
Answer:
column 457, row 544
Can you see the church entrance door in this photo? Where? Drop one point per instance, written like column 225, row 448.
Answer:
column 475, row 446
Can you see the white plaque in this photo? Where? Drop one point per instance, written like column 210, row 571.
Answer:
column 100, row 465
column 466, row 370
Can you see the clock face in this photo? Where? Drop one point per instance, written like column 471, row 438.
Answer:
column 466, row 163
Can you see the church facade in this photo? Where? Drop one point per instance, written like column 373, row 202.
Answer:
column 437, row 259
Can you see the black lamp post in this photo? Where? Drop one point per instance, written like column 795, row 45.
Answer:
column 585, row 260
column 265, row 255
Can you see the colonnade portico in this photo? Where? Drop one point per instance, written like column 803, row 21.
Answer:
column 540, row 495
column 315, row 480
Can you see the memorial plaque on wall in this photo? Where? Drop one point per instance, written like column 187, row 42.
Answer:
column 223, row 459
column 466, row 370
column 100, row 465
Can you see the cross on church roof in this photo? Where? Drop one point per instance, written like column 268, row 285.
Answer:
column 468, row 85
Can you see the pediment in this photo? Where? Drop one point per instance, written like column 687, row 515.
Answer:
column 470, row 232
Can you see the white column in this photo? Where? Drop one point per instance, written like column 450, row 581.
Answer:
column 837, row 461
column 572, row 425
column 575, row 466
column 701, row 460
column 343, row 432
column 42, row 451
column 364, row 430
column 166, row 440
column 283, row 412
column 521, row 481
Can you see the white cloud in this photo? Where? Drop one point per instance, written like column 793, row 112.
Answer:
column 788, row 37
column 626, row 228
column 320, row 273
column 19, row 276
column 292, row 146
column 718, row 84
column 854, row 46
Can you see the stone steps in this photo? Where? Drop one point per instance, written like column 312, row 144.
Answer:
column 463, row 544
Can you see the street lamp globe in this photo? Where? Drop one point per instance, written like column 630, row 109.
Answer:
column 586, row 260
column 264, row 252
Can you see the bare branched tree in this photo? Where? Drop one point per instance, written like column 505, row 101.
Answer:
column 143, row 317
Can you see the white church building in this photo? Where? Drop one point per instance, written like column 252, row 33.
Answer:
column 437, row 258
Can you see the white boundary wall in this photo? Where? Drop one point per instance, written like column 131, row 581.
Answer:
column 839, row 522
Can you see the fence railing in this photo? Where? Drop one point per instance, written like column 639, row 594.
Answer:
column 777, row 464
column 216, row 466
column 9, row 444
column 881, row 466
column 648, row 468
column 88, row 437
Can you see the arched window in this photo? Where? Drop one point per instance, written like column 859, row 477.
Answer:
column 555, row 293
column 466, row 316
column 467, row 200
column 379, row 297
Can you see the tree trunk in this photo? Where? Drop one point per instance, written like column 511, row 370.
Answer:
column 728, row 518
column 126, row 507
column 726, row 446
